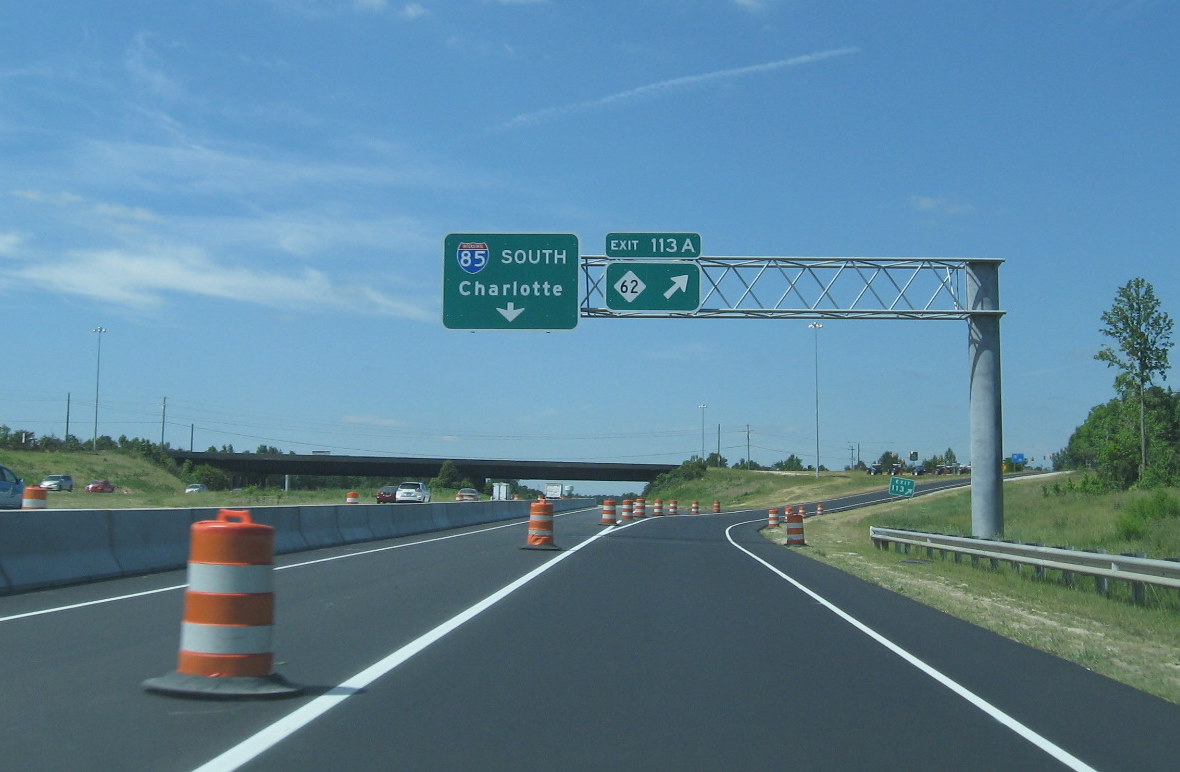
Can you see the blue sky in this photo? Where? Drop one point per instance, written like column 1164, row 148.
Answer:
column 251, row 196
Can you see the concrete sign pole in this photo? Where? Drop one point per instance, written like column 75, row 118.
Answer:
column 987, row 425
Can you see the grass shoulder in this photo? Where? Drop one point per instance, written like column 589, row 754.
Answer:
column 1132, row 644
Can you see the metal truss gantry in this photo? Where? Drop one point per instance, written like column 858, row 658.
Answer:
column 807, row 288
column 861, row 288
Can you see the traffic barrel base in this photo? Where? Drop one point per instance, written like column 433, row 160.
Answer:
column 225, row 638
column 273, row 685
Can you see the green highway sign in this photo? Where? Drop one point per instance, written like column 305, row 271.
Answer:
column 902, row 486
column 653, row 245
column 662, row 286
column 510, row 281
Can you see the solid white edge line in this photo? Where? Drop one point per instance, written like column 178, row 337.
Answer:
column 270, row 736
column 1003, row 718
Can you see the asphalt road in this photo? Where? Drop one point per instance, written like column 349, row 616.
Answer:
column 685, row 643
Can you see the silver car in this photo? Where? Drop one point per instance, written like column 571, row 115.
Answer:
column 12, row 489
column 58, row 482
column 412, row 491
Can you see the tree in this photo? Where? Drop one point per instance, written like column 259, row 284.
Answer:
column 448, row 476
column 1143, row 334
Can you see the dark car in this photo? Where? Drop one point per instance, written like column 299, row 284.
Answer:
column 100, row 486
column 12, row 489
column 387, row 495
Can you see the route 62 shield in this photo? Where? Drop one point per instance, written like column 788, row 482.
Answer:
column 473, row 256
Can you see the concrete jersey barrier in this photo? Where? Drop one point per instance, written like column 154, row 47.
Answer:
column 52, row 547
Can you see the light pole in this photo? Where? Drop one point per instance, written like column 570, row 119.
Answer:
column 817, row 326
column 97, row 371
column 702, row 406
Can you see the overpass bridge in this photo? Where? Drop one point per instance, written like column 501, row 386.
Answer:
column 255, row 466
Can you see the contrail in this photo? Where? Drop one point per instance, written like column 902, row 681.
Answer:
column 654, row 89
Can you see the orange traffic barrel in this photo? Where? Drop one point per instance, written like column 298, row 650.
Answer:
column 657, row 509
column 772, row 518
column 673, row 505
column 819, row 509
column 795, row 528
column 640, row 508
column 540, row 526
column 352, row 498
column 625, row 512
column 696, row 508
column 225, row 638
column 716, row 507
column 34, row 497
column 802, row 510
column 608, row 512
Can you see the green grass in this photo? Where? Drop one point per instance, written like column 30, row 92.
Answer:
column 1108, row 634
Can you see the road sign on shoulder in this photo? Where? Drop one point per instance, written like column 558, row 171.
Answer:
column 902, row 486
column 510, row 281
column 664, row 286
column 654, row 245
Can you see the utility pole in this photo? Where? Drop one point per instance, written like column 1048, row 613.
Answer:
column 163, row 414
column 67, row 437
column 748, row 464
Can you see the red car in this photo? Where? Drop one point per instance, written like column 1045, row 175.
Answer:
column 100, row 486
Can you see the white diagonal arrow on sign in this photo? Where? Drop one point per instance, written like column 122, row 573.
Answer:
column 679, row 284
column 511, row 312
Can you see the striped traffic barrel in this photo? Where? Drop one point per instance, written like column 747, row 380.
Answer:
column 625, row 512
column 772, row 518
column 540, row 535
column 608, row 512
column 34, row 497
column 795, row 527
column 639, row 509
column 226, row 637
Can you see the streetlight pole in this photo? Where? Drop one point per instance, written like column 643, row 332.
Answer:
column 817, row 326
column 97, row 372
column 702, row 406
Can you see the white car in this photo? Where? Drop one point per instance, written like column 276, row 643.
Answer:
column 58, row 482
column 412, row 491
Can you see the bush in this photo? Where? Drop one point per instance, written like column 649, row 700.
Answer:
column 1141, row 512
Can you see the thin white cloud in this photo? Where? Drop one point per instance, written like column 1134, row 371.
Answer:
column 9, row 242
column 652, row 90
column 145, row 279
column 413, row 11
column 932, row 205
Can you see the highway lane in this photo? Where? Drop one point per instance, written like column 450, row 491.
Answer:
column 661, row 644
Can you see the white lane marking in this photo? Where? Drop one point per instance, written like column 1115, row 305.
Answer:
column 1003, row 718
column 268, row 737
column 172, row 588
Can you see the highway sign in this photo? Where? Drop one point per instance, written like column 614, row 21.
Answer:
column 663, row 286
column 902, row 486
column 510, row 281
column 653, row 245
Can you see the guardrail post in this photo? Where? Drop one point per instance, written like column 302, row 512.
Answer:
column 1138, row 589
column 1038, row 571
column 1067, row 577
column 1173, row 560
column 1101, row 583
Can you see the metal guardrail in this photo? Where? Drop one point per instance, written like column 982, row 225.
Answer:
column 1132, row 568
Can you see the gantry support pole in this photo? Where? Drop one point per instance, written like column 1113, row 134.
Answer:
column 987, row 424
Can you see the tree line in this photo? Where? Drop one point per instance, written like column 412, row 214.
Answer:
column 1133, row 440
